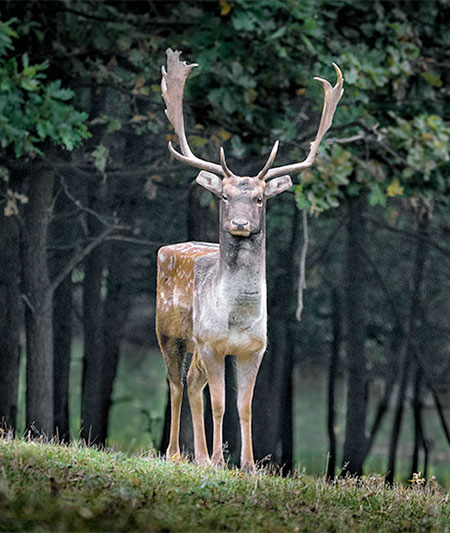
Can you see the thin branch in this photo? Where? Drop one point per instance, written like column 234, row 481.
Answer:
column 381, row 411
column 88, row 15
column 75, row 260
column 390, row 298
column 302, row 282
column 429, row 380
column 77, row 202
column 28, row 303
column 408, row 235
column 346, row 140
column 132, row 240
column 321, row 253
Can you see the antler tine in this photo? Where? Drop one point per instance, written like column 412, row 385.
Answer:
column 332, row 95
column 269, row 163
column 223, row 163
column 172, row 87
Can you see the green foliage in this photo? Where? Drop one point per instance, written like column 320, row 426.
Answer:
column 322, row 185
column 45, row 486
column 32, row 109
column 100, row 155
column 259, row 58
column 421, row 154
column 386, row 72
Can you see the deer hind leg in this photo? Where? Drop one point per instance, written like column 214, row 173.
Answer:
column 247, row 370
column 196, row 380
column 173, row 351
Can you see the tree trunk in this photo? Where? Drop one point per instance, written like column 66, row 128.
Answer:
column 38, row 314
column 115, row 312
column 92, row 429
column 62, row 323
column 62, row 339
column 164, row 442
column 274, row 380
column 332, row 376
column 355, row 438
column 410, row 339
column 231, row 428
column 10, row 321
column 390, row 378
column 287, row 411
column 418, row 425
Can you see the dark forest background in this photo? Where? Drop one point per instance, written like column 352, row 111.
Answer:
column 88, row 193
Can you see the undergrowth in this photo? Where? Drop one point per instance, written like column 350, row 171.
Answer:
column 51, row 487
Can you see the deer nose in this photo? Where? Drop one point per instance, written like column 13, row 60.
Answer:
column 240, row 223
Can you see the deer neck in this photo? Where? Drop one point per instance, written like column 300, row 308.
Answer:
column 242, row 276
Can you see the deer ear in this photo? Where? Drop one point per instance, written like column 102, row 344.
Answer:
column 210, row 181
column 277, row 186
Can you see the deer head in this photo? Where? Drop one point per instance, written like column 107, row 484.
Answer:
column 242, row 197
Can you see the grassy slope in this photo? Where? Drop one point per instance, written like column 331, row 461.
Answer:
column 48, row 487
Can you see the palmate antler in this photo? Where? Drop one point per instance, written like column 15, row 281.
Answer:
column 172, row 85
column 332, row 95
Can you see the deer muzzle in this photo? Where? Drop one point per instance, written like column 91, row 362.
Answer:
column 240, row 226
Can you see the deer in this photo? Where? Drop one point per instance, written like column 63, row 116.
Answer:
column 211, row 298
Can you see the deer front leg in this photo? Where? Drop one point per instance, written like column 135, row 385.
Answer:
column 247, row 370
column 215, row 372
column 196, row 380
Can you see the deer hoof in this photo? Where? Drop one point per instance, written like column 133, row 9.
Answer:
column 173, row 455
column 248, row 467
column 218, row 461
column 202, row 461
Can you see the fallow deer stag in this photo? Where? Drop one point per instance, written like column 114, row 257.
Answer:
column 211, row 298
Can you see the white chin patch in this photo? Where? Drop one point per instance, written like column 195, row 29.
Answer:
column 240, row 233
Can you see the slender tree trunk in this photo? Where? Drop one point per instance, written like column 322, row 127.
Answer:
column 266, row 412
column 287, row 411
column 332, row 376
column 390, row 379
column 186, row 429
column 410, row 339
column 208, row 419
column 231, row 428
column 62, row 324
column 92, row 430
column 62, row 339
column 38, row 314
column 164, row 442
column 287, row 387
column 273, row 400
column 115, row 312
column 418, row 426
column 10, row 321
column 355, row 437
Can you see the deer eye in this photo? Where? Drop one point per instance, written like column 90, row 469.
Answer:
column 224, row 197
column 259, row 200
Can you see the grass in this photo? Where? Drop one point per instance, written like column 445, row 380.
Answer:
column 49, row 487
column 140, row 394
